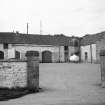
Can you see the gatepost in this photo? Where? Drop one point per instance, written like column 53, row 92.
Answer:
column 32, row 70
column 102, row 62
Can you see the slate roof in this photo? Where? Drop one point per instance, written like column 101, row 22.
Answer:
column 19, row 38
column 92, row 38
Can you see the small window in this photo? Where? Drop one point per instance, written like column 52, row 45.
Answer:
column 5, row 45
column 76, row 43
column 1, row 55
column 17, row 55
column 65, row 47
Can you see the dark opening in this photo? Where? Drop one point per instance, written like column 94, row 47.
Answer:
column 1, row 55
column 76, row 43
column 17, row 55
column 46, row 57
column 65, row 47
column 86, row 56
column 5, row 46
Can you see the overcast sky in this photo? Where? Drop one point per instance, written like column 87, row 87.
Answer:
column 69, row 17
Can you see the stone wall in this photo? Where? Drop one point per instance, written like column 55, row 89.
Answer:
column 61, row 54
column 13, row 74
column 100, row 45
column 23, row 48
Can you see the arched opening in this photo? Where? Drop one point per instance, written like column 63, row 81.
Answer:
column 46, row 57
column 1, row 55
column 17, row 55
column 75, row 42
column 86, row 56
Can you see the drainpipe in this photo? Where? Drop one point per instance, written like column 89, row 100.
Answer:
column 59, row 54
column 91, row 53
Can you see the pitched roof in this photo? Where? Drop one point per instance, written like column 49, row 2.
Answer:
column 92, row 38
column 19, row 38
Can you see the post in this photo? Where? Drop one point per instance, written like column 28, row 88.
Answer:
column 32, row 70
column 91, row 53
column 102, row 63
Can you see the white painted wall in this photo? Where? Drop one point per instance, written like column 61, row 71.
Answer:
column 83, row 50
column 1, row 47
column 94, row 52
column 87, row 49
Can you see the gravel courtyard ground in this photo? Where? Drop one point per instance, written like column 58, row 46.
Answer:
column 66, row 84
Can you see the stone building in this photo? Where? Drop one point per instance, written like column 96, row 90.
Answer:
column 57, row 48
column 91, row 46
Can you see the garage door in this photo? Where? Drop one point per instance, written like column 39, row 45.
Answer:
column 46, row 57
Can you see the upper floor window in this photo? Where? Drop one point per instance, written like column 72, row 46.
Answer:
column 5, row 46
column 65, row 47
column 75, row 42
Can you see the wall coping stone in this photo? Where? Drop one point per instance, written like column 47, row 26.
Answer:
column 13, row 60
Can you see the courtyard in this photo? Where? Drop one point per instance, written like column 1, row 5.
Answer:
column 66, row 84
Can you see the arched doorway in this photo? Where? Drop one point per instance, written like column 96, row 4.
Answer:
column 1, row 55
column 86, row 56
column 46, row 57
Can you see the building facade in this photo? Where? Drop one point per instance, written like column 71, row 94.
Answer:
column 57, row 48
column 91, row 46
column 51, row 48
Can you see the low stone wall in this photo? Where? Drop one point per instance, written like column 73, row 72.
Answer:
column 22, row 74
column 13, row 74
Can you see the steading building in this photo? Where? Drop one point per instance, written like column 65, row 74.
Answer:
column 57, row 48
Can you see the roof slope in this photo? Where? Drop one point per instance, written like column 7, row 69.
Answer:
column 91, row 39
column 18, row 38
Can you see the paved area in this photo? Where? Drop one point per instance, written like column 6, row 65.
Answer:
column 66, row 84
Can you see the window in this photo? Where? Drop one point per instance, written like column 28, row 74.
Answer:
column 1, row 55
column 5, row 46
column 65, row 47
column 17, row 55
column 76, row 43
